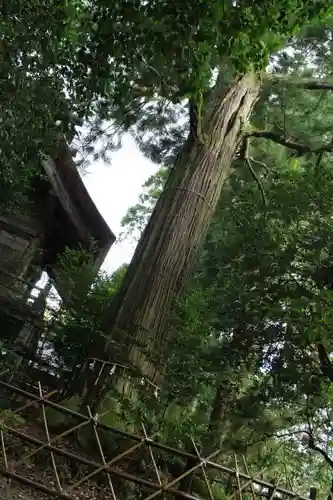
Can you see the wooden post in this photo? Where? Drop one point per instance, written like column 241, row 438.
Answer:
column 313, row 493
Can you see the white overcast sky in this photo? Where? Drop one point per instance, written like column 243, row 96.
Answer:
column 116, row 186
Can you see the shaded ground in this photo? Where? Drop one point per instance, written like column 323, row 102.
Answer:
column 18, row 491
column 38, row 468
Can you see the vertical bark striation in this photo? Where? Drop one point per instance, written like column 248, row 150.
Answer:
column 179, row 223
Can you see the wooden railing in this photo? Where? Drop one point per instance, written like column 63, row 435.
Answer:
column 119, row 464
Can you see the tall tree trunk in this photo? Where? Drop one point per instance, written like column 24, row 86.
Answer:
column 168, row 247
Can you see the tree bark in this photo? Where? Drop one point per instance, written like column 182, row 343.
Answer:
column 167, row 250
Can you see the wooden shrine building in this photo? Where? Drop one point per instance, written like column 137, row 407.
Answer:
column 62, row 214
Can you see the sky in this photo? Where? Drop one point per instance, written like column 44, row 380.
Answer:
column 115, row 187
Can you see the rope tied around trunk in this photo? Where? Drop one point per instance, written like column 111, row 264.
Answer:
column 195, row 192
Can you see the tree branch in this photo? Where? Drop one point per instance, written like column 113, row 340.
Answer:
column 325, row 363
column 301, row 149
column 312, row 445
column 319, row 450
column 301, row 82
column 267, row 435
column 245, row 156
